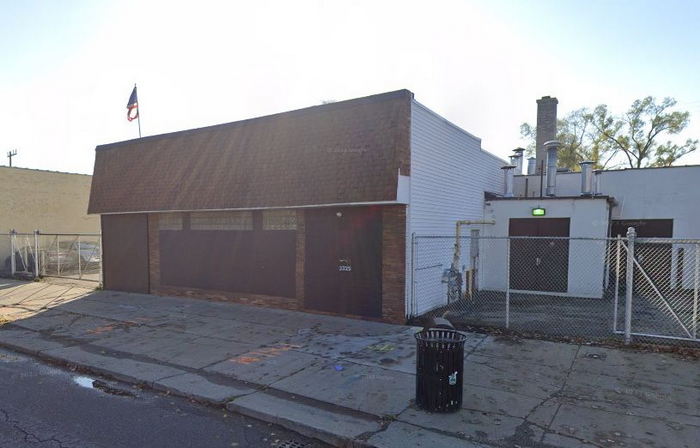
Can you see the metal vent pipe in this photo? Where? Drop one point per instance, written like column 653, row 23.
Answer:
column 552, row 147
column 586, row 178
column 531, row 165
column 596, row 182
column 508, row 171
column 518, row 158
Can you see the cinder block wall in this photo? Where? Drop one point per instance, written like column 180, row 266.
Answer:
column 50, row 201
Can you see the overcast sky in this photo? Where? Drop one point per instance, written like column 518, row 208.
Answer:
column 68, row 67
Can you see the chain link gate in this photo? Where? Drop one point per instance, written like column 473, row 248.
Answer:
column 662, row 301
column 73, row 256
column 562, row 287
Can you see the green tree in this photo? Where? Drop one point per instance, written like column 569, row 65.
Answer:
column 578, row 138
column 609, row 140
column 636, row 133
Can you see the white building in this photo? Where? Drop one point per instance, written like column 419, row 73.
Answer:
column 571, row 215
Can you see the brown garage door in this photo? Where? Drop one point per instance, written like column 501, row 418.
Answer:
column 125, row 252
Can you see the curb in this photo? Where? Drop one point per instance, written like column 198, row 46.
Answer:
column 307, row 430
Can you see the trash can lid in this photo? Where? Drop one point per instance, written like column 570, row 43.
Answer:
column 440, row 335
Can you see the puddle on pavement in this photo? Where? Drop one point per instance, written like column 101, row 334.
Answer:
column 89, row 383
column 84, row 381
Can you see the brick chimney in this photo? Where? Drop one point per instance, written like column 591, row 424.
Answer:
column 546, row 128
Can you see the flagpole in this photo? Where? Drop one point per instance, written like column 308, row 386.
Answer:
column 138, row 113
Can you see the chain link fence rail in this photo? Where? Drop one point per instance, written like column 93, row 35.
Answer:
column 74, row 256
column 561, row 287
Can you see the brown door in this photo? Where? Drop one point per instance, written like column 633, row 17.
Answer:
column 539, row 264
column 125, row 252
column 650, row 256
column 343, row 261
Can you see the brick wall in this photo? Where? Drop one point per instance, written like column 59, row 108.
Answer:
column 546, row 128
column 394, row 263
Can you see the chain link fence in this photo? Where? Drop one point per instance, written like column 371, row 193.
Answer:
column 574, row 288
column 31, row 255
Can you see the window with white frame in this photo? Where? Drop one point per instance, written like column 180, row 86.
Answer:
column 285, row 219
column 170, row 221
column 238, row 220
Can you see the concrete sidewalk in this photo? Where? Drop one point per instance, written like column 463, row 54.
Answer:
column 349, row 381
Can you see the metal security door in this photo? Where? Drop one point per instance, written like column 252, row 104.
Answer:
column 539, row 263
column 343, row 261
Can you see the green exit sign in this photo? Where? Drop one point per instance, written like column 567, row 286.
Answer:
column 539, row 212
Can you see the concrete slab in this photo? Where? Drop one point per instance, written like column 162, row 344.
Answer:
column 124, row 369
column 477, row 426
column 65, row 325
column 333, row 346
column 632, row 393
column 388, row 355
column 483, row 399
column 183, row 349
column 616, row 430
column 195, row 386
column 654, row 367
column 313, row 421
column 265, row 365
column 402, row 435
column 230, row 330
column 372, row 390
column 552, row 354
column 26, row 341
column 118, row 311
column 508, row 375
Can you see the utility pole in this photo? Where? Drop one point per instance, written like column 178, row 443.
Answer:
column 10, row 155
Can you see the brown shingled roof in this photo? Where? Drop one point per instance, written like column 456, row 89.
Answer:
column 343, row 152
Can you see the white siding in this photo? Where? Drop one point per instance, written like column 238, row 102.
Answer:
column 449, row 175
column 654, row 193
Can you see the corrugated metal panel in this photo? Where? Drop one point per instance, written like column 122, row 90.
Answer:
column 449, row 174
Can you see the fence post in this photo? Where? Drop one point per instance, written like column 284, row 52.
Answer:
column 629, row 284
column 36, row 253
column 696, row 285
column 13, row 248
column 58, row 255
column 507, row 282
column 618, row 250
column 80, row 271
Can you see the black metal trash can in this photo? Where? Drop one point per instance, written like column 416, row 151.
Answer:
column 439, row 369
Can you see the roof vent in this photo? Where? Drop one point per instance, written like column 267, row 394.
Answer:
column 586, row 178
column 531, row 165
column 508, row 180
column 552, row 147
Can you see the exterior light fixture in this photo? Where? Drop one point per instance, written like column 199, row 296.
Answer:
column 539, row 211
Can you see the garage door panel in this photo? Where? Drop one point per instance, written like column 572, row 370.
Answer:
column 125, row 252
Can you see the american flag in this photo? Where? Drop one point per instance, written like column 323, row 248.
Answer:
column 133, row 106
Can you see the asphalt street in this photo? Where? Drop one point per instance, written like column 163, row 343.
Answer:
column 44, row 406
